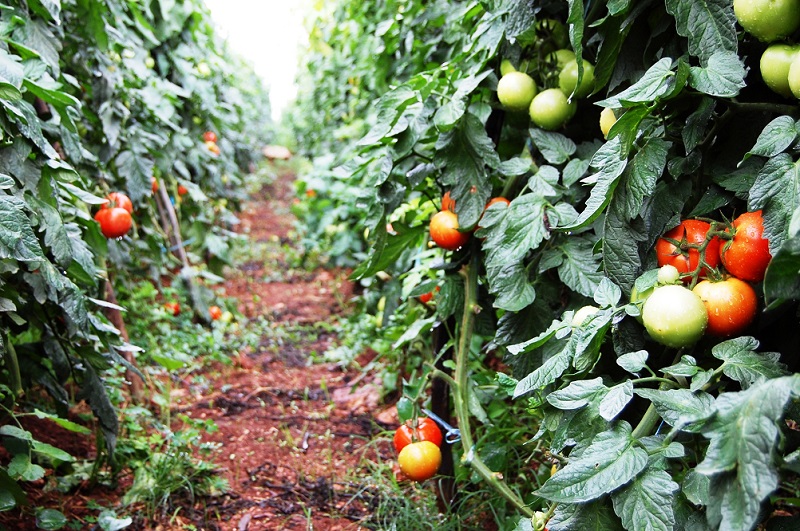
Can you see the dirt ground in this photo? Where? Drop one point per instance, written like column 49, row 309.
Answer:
column 293, row 436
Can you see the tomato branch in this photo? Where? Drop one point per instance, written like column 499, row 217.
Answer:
column 462, row 389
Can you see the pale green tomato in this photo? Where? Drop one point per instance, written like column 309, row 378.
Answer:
column 582, row 314
column 563, row 57
column 775, row 63
column 674, row 316
column 768, row 20
column 568, row 79
column 668, row 274
column 550, row 109
column 607, row 120
column 794, row 76
column 515, row 91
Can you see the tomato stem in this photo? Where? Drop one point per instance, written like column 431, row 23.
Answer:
column 462, row 389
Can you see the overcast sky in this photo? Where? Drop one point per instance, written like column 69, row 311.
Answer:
column 268, row 34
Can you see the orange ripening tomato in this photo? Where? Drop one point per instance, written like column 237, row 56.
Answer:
column 209, row 136
column 215, row 312
column 114, row 222
column 173, row 307
column 213, row 147
column 427, row 297
column 420, row 460
column 182, row 190
column 686, row 259
column 426, row 430
column 118, row 199
column 747, row 255
column 448, row 203
column 444, row 231
column 497, row 200
column 154, row 184
column 731, row 305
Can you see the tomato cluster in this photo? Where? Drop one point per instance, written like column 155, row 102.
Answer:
column 418, row 450
column 724, row 305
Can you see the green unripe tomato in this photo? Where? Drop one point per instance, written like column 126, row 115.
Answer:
column 674, row 316
column 775, row 63
column 149, row 62
column 563, row 57
column 768, row 20
column 607, row 120
column 568, row 79
column 794, row 76
column 506, row 67
column 515, row 91
column 582, row 314
column 550, row 109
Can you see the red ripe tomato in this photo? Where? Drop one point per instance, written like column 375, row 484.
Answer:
column 154, row 184
column 684, row 258
column 731, row 305
column 114, row 222
column 420, row 460
column 210, row 136
column 747, row 255
column 173, row 307
column 118, row 199
column 426, row 430
column 448, row 203
column 182, row 190
column 444, row 231
column 215, row 312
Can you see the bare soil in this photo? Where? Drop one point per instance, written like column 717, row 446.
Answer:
column 294, row 435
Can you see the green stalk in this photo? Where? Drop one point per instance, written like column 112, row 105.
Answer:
column 462, row 390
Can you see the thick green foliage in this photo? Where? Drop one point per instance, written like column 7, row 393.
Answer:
column 653, row 438
column 101, row 96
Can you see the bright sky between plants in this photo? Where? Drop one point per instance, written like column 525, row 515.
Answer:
column 268, row 34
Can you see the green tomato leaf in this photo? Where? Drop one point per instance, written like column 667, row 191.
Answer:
column 723, row 77
column 50, row 519
column 633, row 362
column 51, row 452
column 679, row 407
column 777, row 192
column 615, row 400
column 656, row 82
column 578, row 394
column 612, row 460
column 554, row 147
column 744, row 364
column 775, row 138
column 610, row 164
column 547, row 373
column 595, row 516
column 387, row 249
column 21, row 468
column 17, row 239
column 647, row 502
column 782, row 280
column 580, row 268
column 448, row 114
column 390, row 109
column 743, row 439
column 511, row 285
column 137, row 169
column 709, row 25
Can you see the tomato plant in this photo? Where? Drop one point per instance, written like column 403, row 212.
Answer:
column 420, row 460
column 680, row 247
column 425, row 430
column 444, row 231
column 674, row 316
column 115, row 222
column 731, row 305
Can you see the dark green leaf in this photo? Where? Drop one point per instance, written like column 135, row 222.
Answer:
column 511, row 285
column 21, row 468
column 554, row 147
column 580, row 268
column 647, row 502
column 388, row 249
column 17, row 239
column 643, row 172
column 775, row 138
column 679, row 407
column 723, row 76
column 137, row 169
column 547, row 373
column 744, row 364
column 612, row 460
column 50, row 519
column 782, row 280
column 595, row 516
column 654, row 83
column 708, row 24
column 777, row 192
